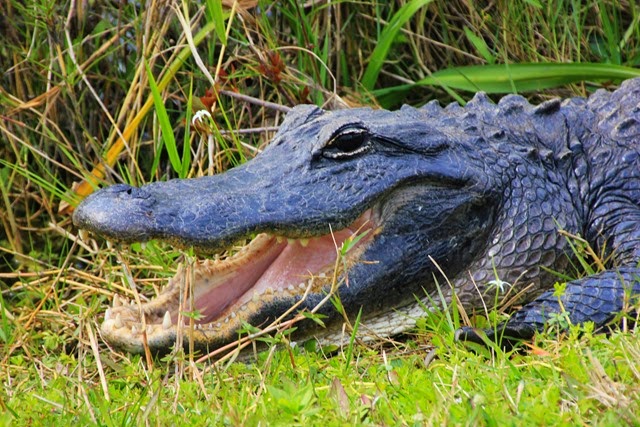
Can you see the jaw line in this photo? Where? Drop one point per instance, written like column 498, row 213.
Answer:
column 226, row 293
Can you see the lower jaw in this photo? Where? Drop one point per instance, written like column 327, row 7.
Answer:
column 215, row 290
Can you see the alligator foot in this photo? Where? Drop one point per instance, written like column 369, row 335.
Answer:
column 594, row 299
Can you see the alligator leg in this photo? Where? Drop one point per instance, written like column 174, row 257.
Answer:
column 595, row 298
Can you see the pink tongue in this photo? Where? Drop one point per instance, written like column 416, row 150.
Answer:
column 296, row 263
column 275, row 266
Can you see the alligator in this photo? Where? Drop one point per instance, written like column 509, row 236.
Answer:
column 418, row 208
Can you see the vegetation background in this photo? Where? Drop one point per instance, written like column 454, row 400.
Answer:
column 78, row 109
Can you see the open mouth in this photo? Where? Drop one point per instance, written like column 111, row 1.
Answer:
column 218, row 297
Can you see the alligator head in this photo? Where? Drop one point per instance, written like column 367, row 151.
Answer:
column 394, row 179
column 475, row 192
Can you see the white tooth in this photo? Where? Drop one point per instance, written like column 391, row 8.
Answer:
column 134, row 330
column 143, row 245
column 84, row 235
column 291, row 288
column 302, row 285
column 256, row 296
column 166, row 321
column 226, row 320
column 118, row 322
column 218, row 325
column 116, row 301
column 107, row 325
column 279, row 239
column 132, row 302
column 210, row 326
column 322, row 275
column 304, row 242
column 108, row 314
column 233, row 314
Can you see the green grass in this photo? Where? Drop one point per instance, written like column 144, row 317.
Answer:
column 59, row 114
column 590, row 379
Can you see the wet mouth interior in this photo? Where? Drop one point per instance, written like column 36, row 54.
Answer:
column 269, row 267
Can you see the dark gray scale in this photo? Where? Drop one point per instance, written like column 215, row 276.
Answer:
column 603, row 181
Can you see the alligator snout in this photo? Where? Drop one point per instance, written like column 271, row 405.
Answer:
column 117, row 211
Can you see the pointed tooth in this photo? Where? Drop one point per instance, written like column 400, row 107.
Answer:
column 118, row 322
column 233, row 314
column 166, row 320
column 116, row 301
column 269, row 290
column 301, row 285
column 83, row 235
column 279, row 239
column 134, row 330
column 132, row 303
column 226, row 320
column 108, row 314
column 304, row 242
column 218, row 325
column 256, row 296
column 291, row 288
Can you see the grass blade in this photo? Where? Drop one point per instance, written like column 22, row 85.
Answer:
column 163, row 118
column 387, row 37
column 506, row 78
column 214, row 9
column 480, row 45
column 186, row 146
column 509, row 78
column 87, row 186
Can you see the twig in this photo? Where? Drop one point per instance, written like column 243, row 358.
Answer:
column 256, row 101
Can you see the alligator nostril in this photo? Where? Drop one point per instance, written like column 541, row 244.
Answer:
column 129, row 191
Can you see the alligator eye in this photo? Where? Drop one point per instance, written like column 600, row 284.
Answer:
column 347, row 142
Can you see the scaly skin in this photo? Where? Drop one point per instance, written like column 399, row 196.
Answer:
column 482, row 190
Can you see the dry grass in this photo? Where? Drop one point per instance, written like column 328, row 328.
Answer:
column 74, row 89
